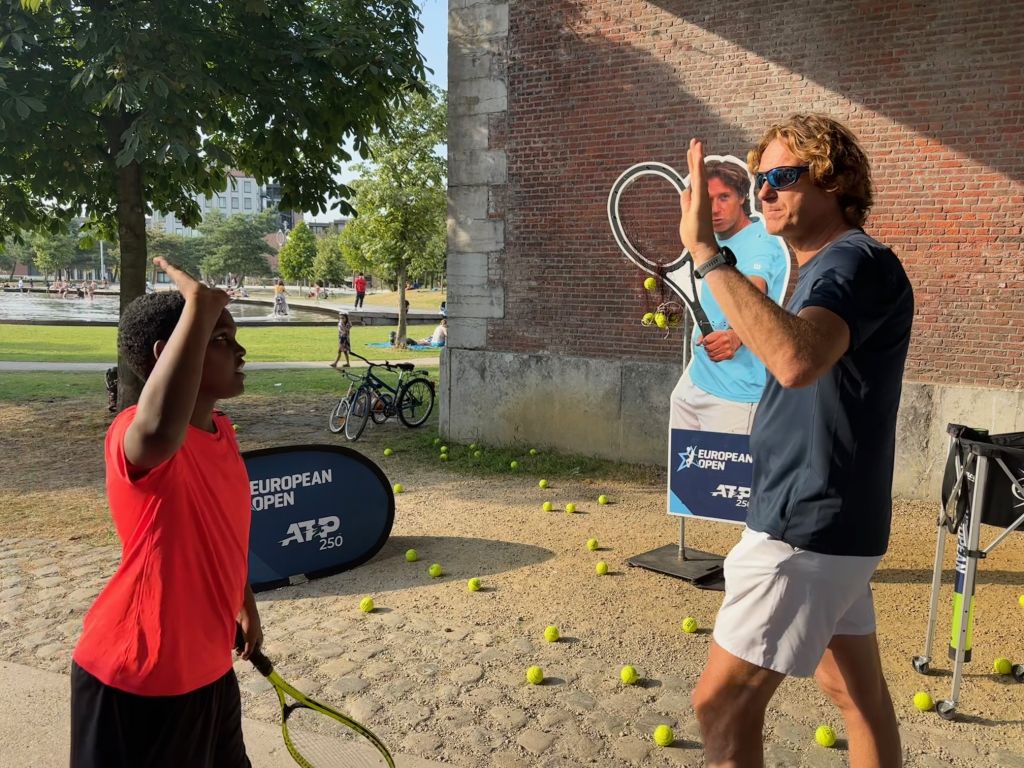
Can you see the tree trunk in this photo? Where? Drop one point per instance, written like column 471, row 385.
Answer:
column 131, row 227
column 402, row 336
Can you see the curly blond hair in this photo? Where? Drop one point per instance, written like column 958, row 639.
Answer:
column 837, row 162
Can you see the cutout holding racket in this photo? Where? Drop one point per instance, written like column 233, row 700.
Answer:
column 643, row 211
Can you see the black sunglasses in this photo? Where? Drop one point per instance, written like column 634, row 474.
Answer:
column 783, row 177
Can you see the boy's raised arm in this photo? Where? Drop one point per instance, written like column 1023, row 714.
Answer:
column 168, row 398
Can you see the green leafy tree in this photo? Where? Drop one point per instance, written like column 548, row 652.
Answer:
column 13, row 253
column 180, row 251
column 235, row 246
column 330, row 265
column 401, row 199
column 295, row 260
column 54, row 252
column 119, row 108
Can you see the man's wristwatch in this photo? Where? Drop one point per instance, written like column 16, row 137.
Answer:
column 724, row 257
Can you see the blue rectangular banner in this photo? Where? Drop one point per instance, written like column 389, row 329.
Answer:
column 709, row 475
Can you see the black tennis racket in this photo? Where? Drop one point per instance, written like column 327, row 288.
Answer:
column 643, row 210
column 316, row 735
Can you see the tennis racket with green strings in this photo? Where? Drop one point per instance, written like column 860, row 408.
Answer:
column 316, row 735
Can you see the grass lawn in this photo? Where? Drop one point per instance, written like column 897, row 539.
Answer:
column 85, row 344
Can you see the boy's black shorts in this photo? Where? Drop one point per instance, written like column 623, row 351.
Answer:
column 114, row 729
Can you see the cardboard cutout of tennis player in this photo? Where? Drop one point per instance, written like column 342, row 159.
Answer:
column 715, row 400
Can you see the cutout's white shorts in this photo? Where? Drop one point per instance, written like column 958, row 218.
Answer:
column 783, row 604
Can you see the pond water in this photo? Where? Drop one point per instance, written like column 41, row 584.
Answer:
column 40, row 308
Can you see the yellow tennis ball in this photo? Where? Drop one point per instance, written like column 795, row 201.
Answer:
column 542, row 484
column 411, row 556
column 477, row 454
column 647, row 319
column 434, row 570
column 602, row 499
column 628, row 675
column 1002, row 666
column 547, row 506
column 1020, row 601
column 533, row 451
column 661, row 320
column 825, row 736
column 437, row 441
column 689, row 625
column 472, row 446
column 399, row 488
column 663, row 736
column 535, row 675
column 570, row 508
column 443, row 457
column 388, row 452
column 513, row 465
column 923, row 701
column 601, row 568
column 444, row 449
column 473, row 585
column 592, row 545
column 551, row 633
column 366, row 605
column 650, row 284
column 235, row 427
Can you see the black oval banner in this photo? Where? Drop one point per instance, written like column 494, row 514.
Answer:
column 316, row 510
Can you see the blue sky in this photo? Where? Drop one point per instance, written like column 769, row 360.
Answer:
column 433, row 45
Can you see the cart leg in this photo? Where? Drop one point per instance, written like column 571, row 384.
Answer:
column 921, row 662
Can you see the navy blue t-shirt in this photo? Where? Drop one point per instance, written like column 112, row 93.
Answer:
column 823, row 454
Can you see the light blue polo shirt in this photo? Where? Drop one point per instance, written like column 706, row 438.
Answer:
column 742, row 378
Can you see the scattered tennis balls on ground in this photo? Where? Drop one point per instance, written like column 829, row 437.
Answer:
column 547, row 506
column 398, row 488
column 628, row 675
column 535, row 675
column 533, row 451
column 551, row 633
column 650, row 284
column 388, row 452
column 542, row 484
column 1002, row 666
column 923, row 701
column 443, row 457
column 366, row 605
column 689, row 625
column 570, row 508
column 434, row 570
column 592, row 545
column 477, row 454
column 444, row 449
column 513, row 465
column 473, row 585
column 602, row 499
column 1020, row 601
column 825, row 736
column 663, row 735
column 472, row 446
column 411, row 556
column 601, row 568
column 437, row 441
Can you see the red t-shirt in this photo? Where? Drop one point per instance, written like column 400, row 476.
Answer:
column 165, row 623
column 360, row 284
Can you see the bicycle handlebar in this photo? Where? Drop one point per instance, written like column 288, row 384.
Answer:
column 387, row 365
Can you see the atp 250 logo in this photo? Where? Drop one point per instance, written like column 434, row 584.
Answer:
column 738, row 492
column 305, row 531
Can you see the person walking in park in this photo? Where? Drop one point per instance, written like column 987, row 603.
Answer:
column 152, row 682
column 797, row 586
column 360, row 285
column 344, row 339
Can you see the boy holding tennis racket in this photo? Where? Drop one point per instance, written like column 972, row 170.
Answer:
column 797, row 586
column 152, row 682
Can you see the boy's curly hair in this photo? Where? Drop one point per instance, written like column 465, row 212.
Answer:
column 148, row 319
column 837, row 162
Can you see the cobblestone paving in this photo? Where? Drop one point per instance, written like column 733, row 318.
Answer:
column 437, row 689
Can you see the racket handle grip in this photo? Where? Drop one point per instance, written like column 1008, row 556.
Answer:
column 261, row 662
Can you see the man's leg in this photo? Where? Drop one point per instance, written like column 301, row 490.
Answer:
column 850, row 673
column 730, row 700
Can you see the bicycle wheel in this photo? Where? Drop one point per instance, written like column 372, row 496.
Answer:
column 380, row 407
column 358, row 414
column 338, row 417
column 415, row 402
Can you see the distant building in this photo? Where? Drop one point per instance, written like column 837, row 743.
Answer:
column 319, row 228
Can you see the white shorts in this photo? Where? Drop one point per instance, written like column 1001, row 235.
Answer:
column 693, row 408
column 783, row 605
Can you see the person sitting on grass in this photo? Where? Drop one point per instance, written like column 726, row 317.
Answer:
column 439, row 337
column 152, row 682
column 344, row 341
column 393, row 340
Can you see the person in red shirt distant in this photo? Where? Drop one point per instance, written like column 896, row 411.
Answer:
column 152, row 682
column 360, row 285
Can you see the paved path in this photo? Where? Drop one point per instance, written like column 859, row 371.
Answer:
column 91, row 367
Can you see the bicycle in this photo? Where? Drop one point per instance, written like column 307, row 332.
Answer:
column 369, row 396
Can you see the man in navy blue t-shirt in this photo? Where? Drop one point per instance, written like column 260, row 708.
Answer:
column 797, row 586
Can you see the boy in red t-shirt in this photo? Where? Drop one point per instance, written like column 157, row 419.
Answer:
column 152, row 682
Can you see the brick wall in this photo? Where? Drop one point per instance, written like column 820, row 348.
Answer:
column 935, row 90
